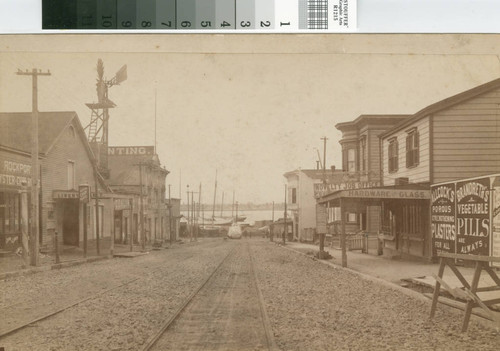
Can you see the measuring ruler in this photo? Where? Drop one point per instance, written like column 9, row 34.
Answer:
column 201, row 15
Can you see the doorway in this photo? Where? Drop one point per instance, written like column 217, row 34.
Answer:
column 70, row 225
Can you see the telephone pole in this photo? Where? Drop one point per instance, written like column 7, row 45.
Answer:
column 34, row 234
column 324, row 158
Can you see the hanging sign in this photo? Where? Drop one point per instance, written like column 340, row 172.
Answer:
column 84, row 192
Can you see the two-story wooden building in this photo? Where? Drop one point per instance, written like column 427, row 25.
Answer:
column 452, row 139
column 134, row 170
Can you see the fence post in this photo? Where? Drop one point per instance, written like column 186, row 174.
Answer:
column 56, row 244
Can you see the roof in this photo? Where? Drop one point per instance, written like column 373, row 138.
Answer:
column 315, row 173
column 15, row 129
column 446, row 103
column 121, row 166
column 365, row 119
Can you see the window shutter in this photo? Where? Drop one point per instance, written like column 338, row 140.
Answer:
column 408, row 151
column 417, row 149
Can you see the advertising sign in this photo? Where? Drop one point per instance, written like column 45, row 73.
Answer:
column 473, row 216
column 495, row 230
column 14, row 173
column 321, row 217
column 84, row 191
column 131, row 150
column 443, row 223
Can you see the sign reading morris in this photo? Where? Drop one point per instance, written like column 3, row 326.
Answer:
column 131, row 150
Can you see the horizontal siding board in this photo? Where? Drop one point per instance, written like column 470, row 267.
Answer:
column 466, row 152
column 467, row 128
column 444, row 146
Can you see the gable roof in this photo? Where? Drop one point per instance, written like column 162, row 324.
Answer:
column 15, row 129
column 446, row 103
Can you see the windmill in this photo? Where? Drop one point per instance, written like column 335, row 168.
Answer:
column 97, row 129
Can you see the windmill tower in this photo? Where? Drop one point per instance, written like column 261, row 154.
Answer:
column 97, row 129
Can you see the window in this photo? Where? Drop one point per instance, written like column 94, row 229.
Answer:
column 333, row 214
column 71, row 175
column 351, row 217
column 412, row 151
column 393, row 155
column 294, row 195
column 10, row 213
column 363, row 154
column 411, row 219
column 351, row 160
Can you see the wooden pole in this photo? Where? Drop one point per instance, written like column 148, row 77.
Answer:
column 285, row 230
column 35, row 233
column 170, row 215
column 97, row 228
column 143, row 232
column 222, row 205
column 188, row 218
column 271, row 234
column 56, row 245
column 342, row 233
column 85, row 233
column 131, row 234
column 215, row 194
column 112, row 244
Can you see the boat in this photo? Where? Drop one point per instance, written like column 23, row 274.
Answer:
column 234, row 231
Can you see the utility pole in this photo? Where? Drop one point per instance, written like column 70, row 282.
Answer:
column 285, row 230
column 271, row 234
column 215, row 192
column 322, row 235
column 170, row 215
column 34, row 235
column 188, row 228
column 198, row 215
column 143, row 232
column 324, row 158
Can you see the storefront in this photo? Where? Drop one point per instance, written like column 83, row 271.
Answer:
column 401, row 214
column 15, row 183
column 122, row 218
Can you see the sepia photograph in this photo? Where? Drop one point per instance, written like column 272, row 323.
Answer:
column 249, row 192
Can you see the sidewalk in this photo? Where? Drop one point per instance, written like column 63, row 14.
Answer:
column 13, row 265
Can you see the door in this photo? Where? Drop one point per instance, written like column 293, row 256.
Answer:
column 70, row 222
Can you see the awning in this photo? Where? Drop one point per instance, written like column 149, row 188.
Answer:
column 406, row 193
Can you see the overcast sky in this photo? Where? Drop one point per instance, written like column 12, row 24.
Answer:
column 251, row 106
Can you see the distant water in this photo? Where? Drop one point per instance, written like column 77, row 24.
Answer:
column 252, row 215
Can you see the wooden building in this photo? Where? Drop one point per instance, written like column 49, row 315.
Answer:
column 452, row 139
column 66, row 162
column 134, row 170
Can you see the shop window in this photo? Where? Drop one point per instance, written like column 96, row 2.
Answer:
column 333, row 214
column 351, row 217
column 411, row 219
column 393, row 155
column 412, row 148
column 10, row 213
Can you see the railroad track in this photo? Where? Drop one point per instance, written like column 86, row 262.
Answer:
column 226, row 312
column 75, row 303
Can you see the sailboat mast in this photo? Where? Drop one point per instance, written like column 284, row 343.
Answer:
column 222, row 204
column 232, row 207
column 215, row 193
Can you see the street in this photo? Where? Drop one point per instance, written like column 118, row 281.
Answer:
column 121, row 304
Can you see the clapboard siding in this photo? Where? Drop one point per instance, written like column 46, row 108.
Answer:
column 418, row 174
column 466, row 139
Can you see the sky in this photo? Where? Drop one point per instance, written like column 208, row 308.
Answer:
column 249, row 107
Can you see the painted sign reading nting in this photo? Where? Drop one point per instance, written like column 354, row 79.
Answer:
column 131, row 150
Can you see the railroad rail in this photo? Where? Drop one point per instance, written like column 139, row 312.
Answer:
column 73, row 304
column 225, row 287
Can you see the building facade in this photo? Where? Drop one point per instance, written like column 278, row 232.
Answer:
column 136, row 170
column 66, row 162
column 448, row 141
